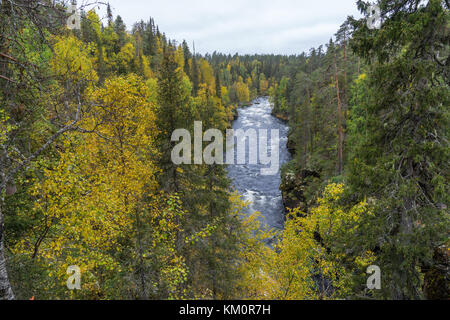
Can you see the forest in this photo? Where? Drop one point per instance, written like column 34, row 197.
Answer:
column 86, row 177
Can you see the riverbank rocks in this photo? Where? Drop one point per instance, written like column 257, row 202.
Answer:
column 291, row 145
column 232, row 114
column 437, row 278
column 293, row 188
column 281, row 117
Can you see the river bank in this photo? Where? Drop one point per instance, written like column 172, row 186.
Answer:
column 294, row 182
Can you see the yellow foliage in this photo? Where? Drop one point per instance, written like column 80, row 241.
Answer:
column 257, row 256
column 91, row 198
column 300, row 266
column 263, row 86
column 71, row 60
column 242, row 92
column 5, row 127
column 179, row 57
column 125, row 56
column 207, row 75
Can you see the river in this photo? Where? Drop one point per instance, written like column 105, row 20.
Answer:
column 263, row 192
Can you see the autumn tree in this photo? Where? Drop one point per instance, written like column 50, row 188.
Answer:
column 309, row 262
column 24, row 80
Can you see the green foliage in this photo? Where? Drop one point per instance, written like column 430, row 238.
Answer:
column 401, row 145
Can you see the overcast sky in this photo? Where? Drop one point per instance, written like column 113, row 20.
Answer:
column 243, row 26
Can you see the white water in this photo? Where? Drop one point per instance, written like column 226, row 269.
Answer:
column 262, row 191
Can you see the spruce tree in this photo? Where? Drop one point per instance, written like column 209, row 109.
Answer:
column 187, row 57
column 174, row 112
column 109, row 15
column 400, row 160
column 121, row 30
column 218, row 86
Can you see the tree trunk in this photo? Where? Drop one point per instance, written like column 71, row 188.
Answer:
column 340, row 131
column 345, row 97
column 6, row 292
column 359, row 66
column 307, row 128
column 143, row 292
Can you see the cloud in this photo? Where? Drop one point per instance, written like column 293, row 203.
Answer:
column 251, row 26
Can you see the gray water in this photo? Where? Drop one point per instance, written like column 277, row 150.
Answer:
column 263, row 192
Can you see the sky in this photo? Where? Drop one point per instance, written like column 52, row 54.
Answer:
column 242, row 26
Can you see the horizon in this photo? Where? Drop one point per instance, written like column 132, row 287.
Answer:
column 284, row 28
